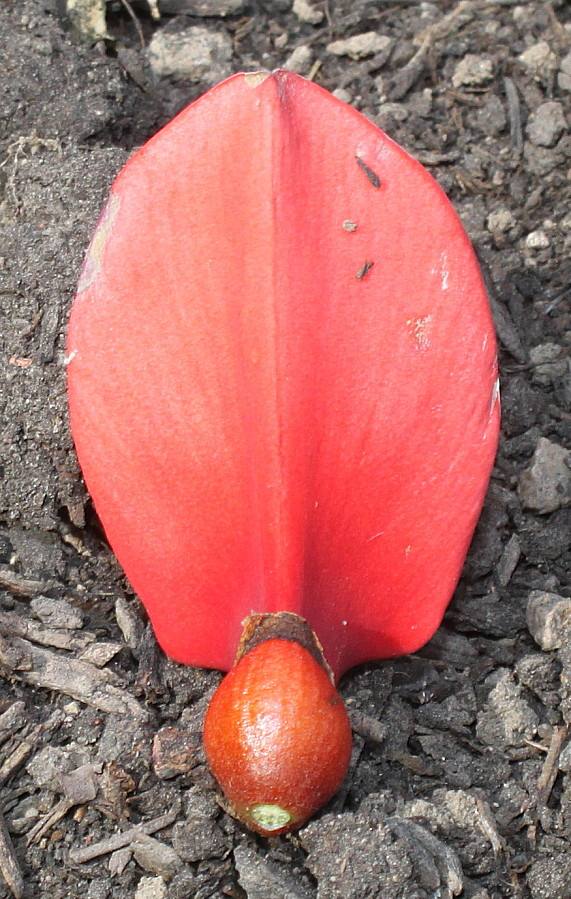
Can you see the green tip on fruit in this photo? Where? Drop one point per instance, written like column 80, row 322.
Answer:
column 270, row 817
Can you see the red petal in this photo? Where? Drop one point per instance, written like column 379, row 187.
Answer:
column 273, row 411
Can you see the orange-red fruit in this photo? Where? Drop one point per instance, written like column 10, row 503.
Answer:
column 277, row 737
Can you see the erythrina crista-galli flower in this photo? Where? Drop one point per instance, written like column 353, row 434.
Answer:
column 283, row 394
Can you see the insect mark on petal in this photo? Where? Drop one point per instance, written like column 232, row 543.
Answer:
column 371, row 175
column 364, row 270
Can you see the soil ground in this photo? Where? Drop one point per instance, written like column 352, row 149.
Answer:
column 460, row 782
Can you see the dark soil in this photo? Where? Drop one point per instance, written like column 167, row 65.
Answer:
column 461, row 777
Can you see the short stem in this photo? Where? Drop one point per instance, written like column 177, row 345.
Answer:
column 280, row 626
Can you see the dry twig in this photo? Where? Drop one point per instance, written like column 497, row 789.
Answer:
column 79, row 856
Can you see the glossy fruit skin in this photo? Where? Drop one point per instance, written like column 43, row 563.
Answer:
column 277, row 734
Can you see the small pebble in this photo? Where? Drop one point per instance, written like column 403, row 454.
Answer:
column 549, row 362
column 361, row 45
column 300, row 60
column 501, row 221
column 539, row 58
column 46, row 767
column 549, row 619
column 537, row 240
column 194, row 53
column 506, row 719
column 341, row 94
column 545, row 485
column 472, row 71
column 151, row 888
column 307, row 13
column 546, row 124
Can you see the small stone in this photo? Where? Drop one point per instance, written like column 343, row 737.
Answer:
column 537, row 240
column 57, row 613
column 47, row 766
column 549, row 361
column 501, row 221
column 546, row 484
column 194, row 53
column 546, row 124
column 300, row 60
column 472, row 71
column 88, row 17
column 79, row 786
column 174, row 752
column 341, row 94
column 306, row 12
column 151, row 888
column 539, row 58
column 549, row 619
column 506, row 719
column 361, row 45
column 156, row 856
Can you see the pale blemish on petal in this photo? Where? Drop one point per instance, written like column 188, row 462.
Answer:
column 254, row 79
column 419, row 329
column 93, row 260
column 70, row 357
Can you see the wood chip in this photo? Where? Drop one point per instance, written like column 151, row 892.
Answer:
column 12, row 623
column 9, row 866
column 25, row 748
column 19, row 586
column 46, row 822
column 12, row 720
column 96, row 687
